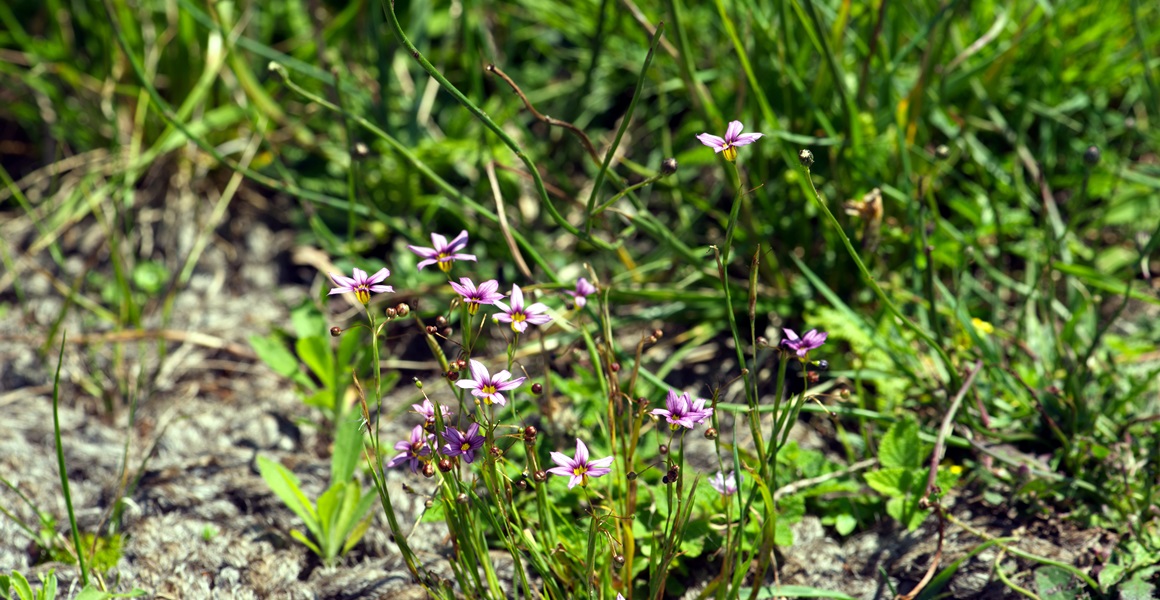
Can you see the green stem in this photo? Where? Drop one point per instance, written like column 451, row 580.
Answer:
column 389, row 10
column 72, row 519
column 890, row 306
column 623, row 127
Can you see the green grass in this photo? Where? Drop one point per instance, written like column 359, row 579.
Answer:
column 1002, row 238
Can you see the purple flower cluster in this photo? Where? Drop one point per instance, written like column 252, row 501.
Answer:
column 519, row 315
column 414, row 450
column 683, row 411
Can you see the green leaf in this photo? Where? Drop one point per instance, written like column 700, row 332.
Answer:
column 845, row 523
column 891, row 482
column 330, row 508
column 301, row 537
column 315, row 352
column 150, row 277
column 5, row 586
column 1138, row 587
column 20, row 584
column 783, row 535
column 92, row 593
column 794, row 591
column 348, row 446
column 308, row 321
column 285, row 485
column 1054, row 583
column 274, row 353
column 363, row 522
column 900, row 447
column 49, row 591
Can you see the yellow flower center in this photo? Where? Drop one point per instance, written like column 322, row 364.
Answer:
column 730, row 153
column 580, row 470
column 445, row 261
column 489, row 389
column 363, row 294
column 472, row 306
column 465, row 447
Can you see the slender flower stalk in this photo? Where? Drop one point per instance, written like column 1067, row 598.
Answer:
column 414, row 451
column 581, row 293
column 473, row 297
column 579, row 468
column 360, row 285
column 487, row 387
column 519, row 315
column 462, row 443
column 727, row 145
column 443, row 253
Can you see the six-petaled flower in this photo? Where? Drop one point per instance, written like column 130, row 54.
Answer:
column 413, row 450
column 462, row 443
column 518, row 315
column 802, row 346
column 581, row 293
column 361, row 285
column 728, row 144
column 579, row 468
column 486, row 293
column 427, row 411
column 683, row 411
column 726, row 485
column 443, row 253
column 487, row 387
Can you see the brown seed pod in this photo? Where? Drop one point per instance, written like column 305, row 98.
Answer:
column 428, row 470
column 530, row 434
column 445, row 464
column 540, row 476
column 335, row 331
column 711, row 433
column 402, row 309
column 663, row 449
column 537, row 388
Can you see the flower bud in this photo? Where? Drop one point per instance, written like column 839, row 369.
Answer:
column 418, row 384
column 522, row 485
column 1091, row 156
column 668, row 166
column 451, row 375
column 665, row 480
column 335, row 331
column 806, row 158
column 530, row 434
column 432, row 330
column 429, row 470
column 711, row 433
column 614, row 367
column 461, row 364
column 540, row 476
column 663, row 449
column 618, row 559
column 392, row 313
column 402, row 309
column 658, row 333
column 941, row 152
column 461, row 498
column 762, row 342
column 429, row 503
column 495, row 451
column 446, row 332
column 822, row 365
column 441, row 321
column 632, row 475
column 537, row 388
column 445, row 464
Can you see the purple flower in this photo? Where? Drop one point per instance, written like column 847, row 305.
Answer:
column 462, row 443
column 488, row 387
column 682, row 411
column 810, row 341
column 361, row 285
column 413, row 450
column 583, row 290
column 519, row 315
column 726, row 485
column 427, row 410
column 443, row 253
column 579, row 468
column 486, row 293
column 733, row 138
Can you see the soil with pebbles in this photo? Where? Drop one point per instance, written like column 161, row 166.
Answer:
column 198, row 520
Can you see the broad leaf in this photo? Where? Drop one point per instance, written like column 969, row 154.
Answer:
column 285, row 485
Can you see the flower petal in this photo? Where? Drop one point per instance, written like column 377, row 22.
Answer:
column 733, row 131
column 424, row 252
column 439, row 242
column 581, row 452
column 517, row 298
column 459, row 242
column 562, row 460
column 379, row 275
column 716, row 143
column 479, row 372
column 747, row 138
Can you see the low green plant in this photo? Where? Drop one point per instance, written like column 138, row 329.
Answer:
column 338, row 519
column 16, row 586
column 325, row 383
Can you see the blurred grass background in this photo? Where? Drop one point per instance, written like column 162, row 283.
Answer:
column 973, row 119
